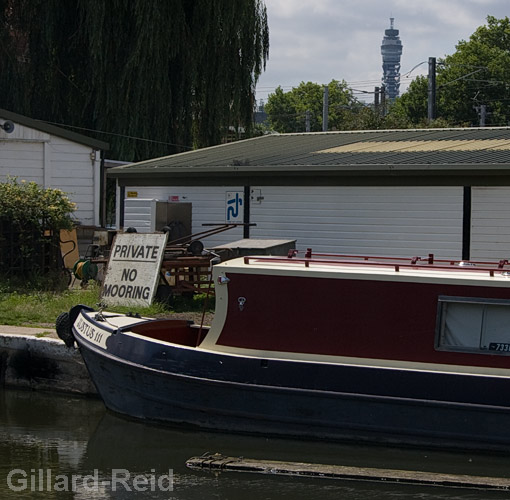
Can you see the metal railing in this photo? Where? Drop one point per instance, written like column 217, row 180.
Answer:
column 397, row 263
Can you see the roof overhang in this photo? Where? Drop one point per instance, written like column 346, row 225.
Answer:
column 54, row 130
column 316, row 175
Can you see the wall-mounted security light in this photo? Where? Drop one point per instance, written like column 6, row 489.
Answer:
column 8, row 126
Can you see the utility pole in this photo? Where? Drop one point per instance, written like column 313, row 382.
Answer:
column 325, row 109
column 431, row 103
column 483, row 114
column 383, row 100
column 307, row 120
column 376, row 99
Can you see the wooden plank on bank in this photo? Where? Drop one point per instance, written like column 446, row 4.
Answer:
column 219, row 462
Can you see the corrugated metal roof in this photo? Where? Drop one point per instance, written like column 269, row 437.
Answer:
column 337, row 153
column 428, row 146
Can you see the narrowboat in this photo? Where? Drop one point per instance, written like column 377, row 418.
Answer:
column 333, row 347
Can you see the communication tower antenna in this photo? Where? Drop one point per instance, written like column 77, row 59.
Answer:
column 391, row 50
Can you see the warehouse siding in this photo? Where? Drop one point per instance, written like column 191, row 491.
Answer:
column 490, row 223
column 368, row 220
column 360, row 220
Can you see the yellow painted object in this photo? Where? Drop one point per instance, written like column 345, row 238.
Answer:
column 84, row 269
column 69, row 247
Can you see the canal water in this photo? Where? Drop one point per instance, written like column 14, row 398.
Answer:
column 49, row 441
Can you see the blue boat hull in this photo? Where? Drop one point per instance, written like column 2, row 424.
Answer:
column 174, row 384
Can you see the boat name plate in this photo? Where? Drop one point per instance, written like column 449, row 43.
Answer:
column 90, row 332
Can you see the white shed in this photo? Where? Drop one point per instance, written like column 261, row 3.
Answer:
column 54, row 157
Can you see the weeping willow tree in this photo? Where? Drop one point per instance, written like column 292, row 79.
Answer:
column 177, row 73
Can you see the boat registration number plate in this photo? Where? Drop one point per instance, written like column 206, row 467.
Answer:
column 498, row 346
column 91, row 332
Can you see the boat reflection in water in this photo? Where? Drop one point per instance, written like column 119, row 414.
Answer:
column 74, row 435
column 367, row 349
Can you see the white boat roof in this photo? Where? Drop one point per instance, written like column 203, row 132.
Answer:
column 376, row 268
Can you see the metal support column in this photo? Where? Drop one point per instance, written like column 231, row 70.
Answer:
column 466, row 224
column 246, row 211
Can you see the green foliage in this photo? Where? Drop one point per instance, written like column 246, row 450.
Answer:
column 413, row 103
column 195, row 302
column 176, row 73
column 34, row 280
column 30, row 221
column 281, row 112
column 28, row 204
column 41, row 308
column 368, row 118
column 287, row 110
column 478, row 73
column 29, row 307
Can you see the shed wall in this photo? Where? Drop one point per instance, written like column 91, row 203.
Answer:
column 52, row 161
column 75, row 173
column 490, row 223
column 398, row 221
column 23, row 160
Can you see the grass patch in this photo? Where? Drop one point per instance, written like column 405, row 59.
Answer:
column 54, row 281
column 43, row 334
column 42, row 308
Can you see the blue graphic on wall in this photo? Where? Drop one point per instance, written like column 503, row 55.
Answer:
column 234, row 204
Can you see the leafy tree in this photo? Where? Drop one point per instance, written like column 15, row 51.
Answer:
column 177, row 73
column 413, row 103
column 287, row 110
column 478, row 73
column 367, row 118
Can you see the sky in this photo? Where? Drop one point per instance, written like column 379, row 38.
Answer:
column 322, row 40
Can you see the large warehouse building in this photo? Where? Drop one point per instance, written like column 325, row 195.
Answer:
column 396, row 192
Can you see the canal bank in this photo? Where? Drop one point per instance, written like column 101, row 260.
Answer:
column 35, row 358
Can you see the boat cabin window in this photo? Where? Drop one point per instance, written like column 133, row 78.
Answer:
column 473, row 325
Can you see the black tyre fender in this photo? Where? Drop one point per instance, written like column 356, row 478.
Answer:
column 64, row 323
column 75, row 311
column 63, row 326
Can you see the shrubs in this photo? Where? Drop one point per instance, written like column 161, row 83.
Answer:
column 28, row 204
column 30, row 221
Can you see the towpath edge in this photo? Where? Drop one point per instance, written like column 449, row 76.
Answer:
column 32, row 358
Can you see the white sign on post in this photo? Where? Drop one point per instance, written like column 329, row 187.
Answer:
column 133, row 269
column 234, row 206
